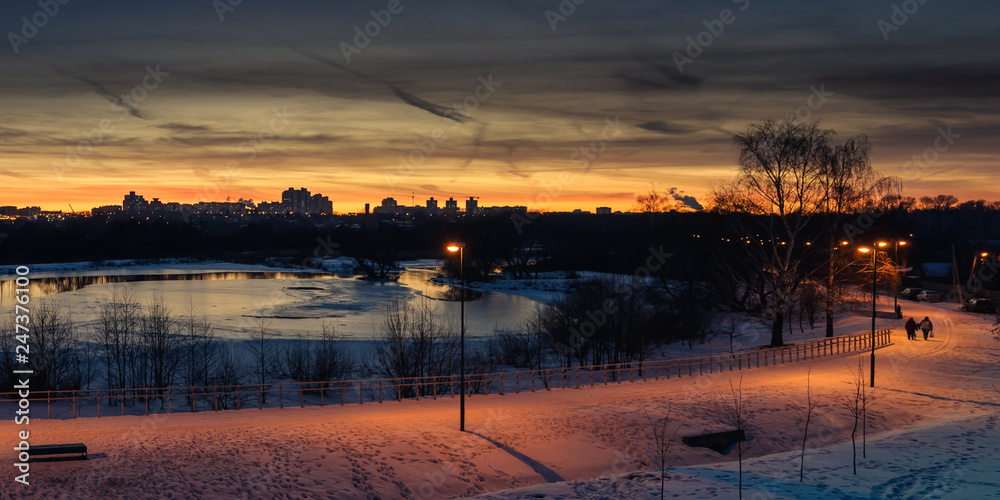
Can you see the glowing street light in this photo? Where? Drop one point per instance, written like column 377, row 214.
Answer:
column 874, row 251
column 460, row 248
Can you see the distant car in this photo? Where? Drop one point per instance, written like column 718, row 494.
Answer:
column 981, row 306
column 929, row 296
column 910, row 293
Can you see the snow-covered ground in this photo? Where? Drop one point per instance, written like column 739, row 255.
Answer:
column 932, row 434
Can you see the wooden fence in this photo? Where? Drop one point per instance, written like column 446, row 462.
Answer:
column 89, row 402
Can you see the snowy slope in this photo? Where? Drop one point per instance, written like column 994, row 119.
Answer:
column 938, row 393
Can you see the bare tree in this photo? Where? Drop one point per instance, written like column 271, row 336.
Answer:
column 201, row 348
column 158, row 343
column 53, row 346
column 848, row 185
column 939, row 202
column 227, row 374
column 776, row 192
column 653, row 201
column 117, row 323
column 867, row 397
column 260, row 340
column 805, row 413
column 413, row 344
column 663, row 444
column 853, row 402
column 737, row 414
column 333, row 360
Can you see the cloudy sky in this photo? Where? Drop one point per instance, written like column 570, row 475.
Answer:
column 539, row 103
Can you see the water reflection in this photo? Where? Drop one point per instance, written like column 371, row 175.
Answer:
column 295, row 303
column 43, row 287
column 419, row 280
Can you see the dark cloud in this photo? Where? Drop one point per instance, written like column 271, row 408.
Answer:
column 665, row 128
column 183, row 127
column 408, row 98
column 7, row 133
column 104, row 92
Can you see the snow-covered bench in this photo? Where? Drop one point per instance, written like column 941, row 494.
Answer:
column 60, row 449
column 719, row 441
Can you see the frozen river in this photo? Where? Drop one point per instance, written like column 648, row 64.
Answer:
column 296, row 304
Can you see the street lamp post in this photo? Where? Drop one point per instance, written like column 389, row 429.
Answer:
column 874, row 251
column 895, row 278
column 460, row 248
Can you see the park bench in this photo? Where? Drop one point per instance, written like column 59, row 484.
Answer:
column 59, row 449
column 718, row 441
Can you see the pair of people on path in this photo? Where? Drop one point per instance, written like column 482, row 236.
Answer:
column 925, row 326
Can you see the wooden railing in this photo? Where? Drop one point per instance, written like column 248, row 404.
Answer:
column 88, row 402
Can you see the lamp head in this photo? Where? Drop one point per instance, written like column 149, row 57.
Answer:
column 454, row 247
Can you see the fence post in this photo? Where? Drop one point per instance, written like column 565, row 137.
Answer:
column 341, row 396
column 302, row 396
column 281, row 395
column 379, row 390
column 517, row 382
column 562, row 383
column 361, row 392
column 501, row 383
column 322, row 391
column 123, row 401
column 532, row 380
column 74, row 404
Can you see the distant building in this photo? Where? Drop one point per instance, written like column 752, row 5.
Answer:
column 8, row 210
column 319, row 205
column 505, row 210
column 29, row 211
column 134, row 204
column 295, row 201
column 472, row 205
column 603, row 210
column 432, row 203
column 301, row 201
column 389, row 202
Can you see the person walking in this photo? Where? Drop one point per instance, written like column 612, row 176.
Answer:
column 911, row 329
column 926, row 326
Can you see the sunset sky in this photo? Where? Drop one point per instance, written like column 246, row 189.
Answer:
column 265, row 98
